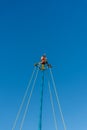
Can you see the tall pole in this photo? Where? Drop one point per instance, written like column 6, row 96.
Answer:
column 41, row 102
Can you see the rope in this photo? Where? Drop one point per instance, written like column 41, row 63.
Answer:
column 22, row 122
column 41, row 102
column 15, row 122
column 51, row 99
column 58, row 102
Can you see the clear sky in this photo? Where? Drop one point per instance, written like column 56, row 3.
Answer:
column 27, row 30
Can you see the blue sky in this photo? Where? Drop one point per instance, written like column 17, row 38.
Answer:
column 27, row 30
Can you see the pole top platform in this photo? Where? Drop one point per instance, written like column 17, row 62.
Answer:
column 43, row 64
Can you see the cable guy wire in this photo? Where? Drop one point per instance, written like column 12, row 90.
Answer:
column 51, row 99
column 22, row 122
column 58, row 102
column 15, row 122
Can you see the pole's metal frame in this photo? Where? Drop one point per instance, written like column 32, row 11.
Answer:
column 41, row 102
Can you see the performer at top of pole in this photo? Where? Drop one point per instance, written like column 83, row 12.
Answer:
column 43, row 64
